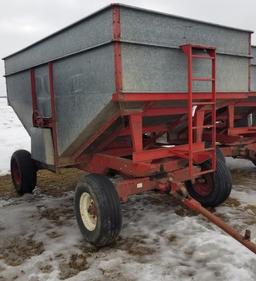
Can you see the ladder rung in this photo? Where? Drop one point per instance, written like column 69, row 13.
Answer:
column 203, row 57
column 203, row 79
column 203, row 127
column 203, row 103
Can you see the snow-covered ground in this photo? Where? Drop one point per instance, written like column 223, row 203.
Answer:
column 39, row 238
column 12, row 135
column 159, row 241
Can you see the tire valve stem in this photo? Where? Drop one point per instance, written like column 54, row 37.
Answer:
column 247, row 234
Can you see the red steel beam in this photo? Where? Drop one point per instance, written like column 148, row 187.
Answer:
column 227, row 139
column 197, row 207
column 187, row 49
column 199, row 123
column 116, row 29
column 164, row 111
column 53, row 114
column 135, row 124
column 242, row 130
column 120, row 152
column 100, row 163
column 126, row 188
column 246, row 104
column 133, row 97
column 179, row 150
column 231, row 114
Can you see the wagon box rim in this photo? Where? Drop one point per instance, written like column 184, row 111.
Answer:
column 128, row 7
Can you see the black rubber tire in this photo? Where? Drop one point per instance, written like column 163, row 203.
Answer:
column 21, row 159
column 108, row 209
column 221, row 185
column 254, row 162
column 220, row 155
column 227, row 178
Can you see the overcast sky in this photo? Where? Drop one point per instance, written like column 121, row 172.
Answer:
column 24, row 21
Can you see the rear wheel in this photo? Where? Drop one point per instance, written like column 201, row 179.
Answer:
column 23, row 172
column 98, row 210
column 211, row 189
column 220, row 155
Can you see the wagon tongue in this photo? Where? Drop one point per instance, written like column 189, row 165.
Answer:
column 179, row 192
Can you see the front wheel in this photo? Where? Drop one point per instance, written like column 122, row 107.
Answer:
column 211, row 189
column 98, row 210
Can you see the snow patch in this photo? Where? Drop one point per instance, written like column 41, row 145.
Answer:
column 13, row 136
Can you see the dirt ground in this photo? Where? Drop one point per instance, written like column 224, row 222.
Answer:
column 50, row 183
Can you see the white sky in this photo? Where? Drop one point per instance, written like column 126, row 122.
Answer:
column 24, row 21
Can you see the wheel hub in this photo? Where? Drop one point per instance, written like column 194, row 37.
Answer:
column 88, row 211
column 202, row 187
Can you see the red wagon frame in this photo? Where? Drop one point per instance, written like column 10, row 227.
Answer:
column 143, row 164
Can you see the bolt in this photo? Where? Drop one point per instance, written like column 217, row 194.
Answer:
column 247, row 234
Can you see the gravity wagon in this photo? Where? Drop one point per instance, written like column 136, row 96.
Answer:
column 129, row 95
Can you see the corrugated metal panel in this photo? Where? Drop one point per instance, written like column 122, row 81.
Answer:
column 42, row 146
column 83, row 85
column 150, row 28
column 19, row 97
column 126, row 6
column 253, row 53
column 154, row 69
column 89, row 33
column 253, row 78
column 253, row 69
column 151, row 59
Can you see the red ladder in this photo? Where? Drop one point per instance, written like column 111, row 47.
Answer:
column 209, row 53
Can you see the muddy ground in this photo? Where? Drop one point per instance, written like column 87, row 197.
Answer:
column 159, row 241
